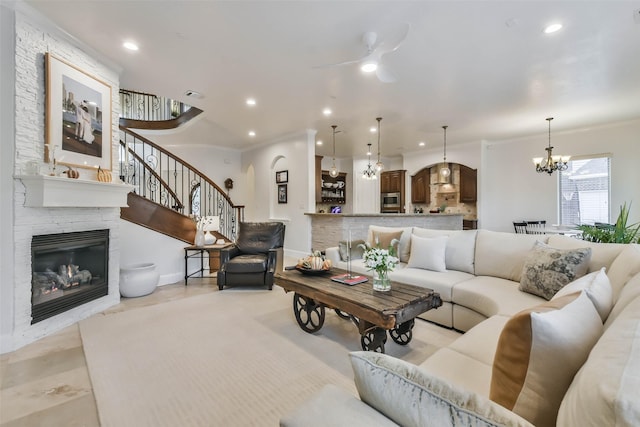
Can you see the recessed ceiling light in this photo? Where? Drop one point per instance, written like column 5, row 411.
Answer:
column 130, row 45
column 372, row 129
column 318, row 142
column 327, row 111
column 252, row 133
column 552, row 28
column 251, row 101
column 369, row 66
column 422, row 143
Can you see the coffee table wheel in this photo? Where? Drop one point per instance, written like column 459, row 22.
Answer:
column 309, row 314
column 342, row 314
column 373, row 340
column 402, row 334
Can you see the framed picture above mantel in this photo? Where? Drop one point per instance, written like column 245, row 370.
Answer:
column 78, row 117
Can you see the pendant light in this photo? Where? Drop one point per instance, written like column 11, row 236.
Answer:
column 369, row 172
column 444, row 170
column 551, row 163
column 379, row 165
column 333, row 172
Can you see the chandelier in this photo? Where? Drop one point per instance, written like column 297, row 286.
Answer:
column 551, row 163
column 379, row 165
column 444, row 170
column 369, row 172
column 333, row 172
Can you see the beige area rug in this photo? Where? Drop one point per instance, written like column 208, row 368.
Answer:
column 230, row 358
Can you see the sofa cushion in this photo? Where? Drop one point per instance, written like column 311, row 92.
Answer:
column 412, row 397
column 461, row 247
column 442, row 283
column 356, row 249
column 597, row 287
column 332, row 406
column 602, row 254
column 428, row 253
column 605, row 390
column 490, row 296
column 386, row 234
column 539, row 352
column 546, row 270
column 630, row 291
column 624, row 267
column 502, row 254
column 459, row 369
column 255, row 263
column 481, row 341
column 259, row 237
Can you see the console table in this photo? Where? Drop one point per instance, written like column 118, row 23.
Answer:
column 213, row 252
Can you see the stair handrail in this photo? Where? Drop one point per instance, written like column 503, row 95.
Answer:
column 195, row 178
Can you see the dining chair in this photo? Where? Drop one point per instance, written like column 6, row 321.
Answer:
column 536, row 227
column 520, row 227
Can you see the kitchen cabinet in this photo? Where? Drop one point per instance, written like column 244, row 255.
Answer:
column 468, row 184
column 420, row 186
column 318, row 179
column 392, row 181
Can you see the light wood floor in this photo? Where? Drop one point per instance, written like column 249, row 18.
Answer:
column 47, row 383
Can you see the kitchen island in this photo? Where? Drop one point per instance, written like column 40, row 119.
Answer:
column 328, row 229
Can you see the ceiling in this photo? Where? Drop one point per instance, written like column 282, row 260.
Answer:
column 484, row 68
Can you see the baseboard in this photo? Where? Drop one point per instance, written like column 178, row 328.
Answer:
column 168, row 279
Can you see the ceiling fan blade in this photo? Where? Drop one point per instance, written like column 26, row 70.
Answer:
column 338, row 64
column 384, row 75
column 382, row 46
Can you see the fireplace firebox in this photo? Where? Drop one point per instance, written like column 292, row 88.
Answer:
column 68, row 270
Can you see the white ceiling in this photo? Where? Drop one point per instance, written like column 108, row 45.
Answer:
column 484, row 68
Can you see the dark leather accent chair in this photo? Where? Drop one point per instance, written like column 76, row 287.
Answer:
column 255, row 257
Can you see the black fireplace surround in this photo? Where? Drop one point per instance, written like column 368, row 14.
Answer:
column 68, row 270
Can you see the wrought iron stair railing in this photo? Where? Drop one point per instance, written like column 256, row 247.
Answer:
column 163, row 178
column 141, row 110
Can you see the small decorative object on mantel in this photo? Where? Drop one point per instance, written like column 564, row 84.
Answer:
column 72, row 173
column 381, row 261
column 103, row 175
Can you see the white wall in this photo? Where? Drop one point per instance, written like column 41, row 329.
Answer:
column 297, row 155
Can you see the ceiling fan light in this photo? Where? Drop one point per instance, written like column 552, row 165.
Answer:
column 369, row 66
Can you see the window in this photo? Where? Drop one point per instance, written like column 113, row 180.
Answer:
column 584, row 191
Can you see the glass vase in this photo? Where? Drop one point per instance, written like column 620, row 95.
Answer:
column 381, row 281
column 199, row 239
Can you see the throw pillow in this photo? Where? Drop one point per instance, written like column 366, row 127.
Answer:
column 428, row 253
column 539, row 352
column 356, row 250
column 546, row 270
column 411, row 396
column 405, row 239
column 383, row 239
column 598, row 289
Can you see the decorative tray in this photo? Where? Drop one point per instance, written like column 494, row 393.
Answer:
column 311, row 271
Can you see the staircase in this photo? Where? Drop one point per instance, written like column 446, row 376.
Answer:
column 169, row 194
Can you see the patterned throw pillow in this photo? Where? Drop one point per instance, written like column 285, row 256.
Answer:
column 546, row 270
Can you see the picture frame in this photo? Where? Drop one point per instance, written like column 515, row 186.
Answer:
column 282, row 177
column 282, row 193
column 78, row 117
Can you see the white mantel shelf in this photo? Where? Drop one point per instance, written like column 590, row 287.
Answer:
column 57, row 192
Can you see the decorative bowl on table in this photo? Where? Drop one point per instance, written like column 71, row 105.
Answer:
column 313, row 264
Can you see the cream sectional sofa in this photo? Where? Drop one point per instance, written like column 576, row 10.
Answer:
column 576, row 357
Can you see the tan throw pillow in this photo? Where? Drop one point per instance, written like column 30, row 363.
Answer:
column 356, row 249
column 383, row 239
column 539, row 352
column 546, row 270
column 597, row 287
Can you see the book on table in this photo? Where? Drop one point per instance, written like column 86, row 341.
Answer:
column 349, row 279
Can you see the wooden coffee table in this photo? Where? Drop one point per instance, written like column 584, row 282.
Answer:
column 373, row 312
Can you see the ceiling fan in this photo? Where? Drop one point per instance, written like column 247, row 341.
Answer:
column 372, row 60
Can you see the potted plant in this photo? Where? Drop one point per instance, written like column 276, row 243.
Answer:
column 619, row 232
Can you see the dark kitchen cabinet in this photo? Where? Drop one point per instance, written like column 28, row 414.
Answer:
column 420, row 187
column 468, row 184
column 392, row 181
